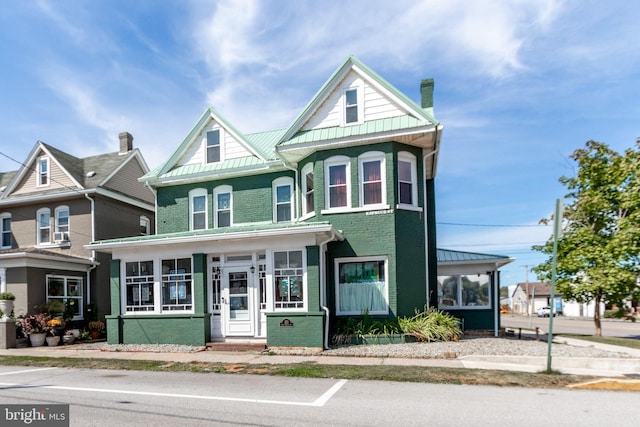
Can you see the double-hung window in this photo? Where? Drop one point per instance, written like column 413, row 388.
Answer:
column 43, row 218
column 407, row 180
column 61, row 231
column 351, row 106
column 139, row 286
column 145, row 226
column 371, row 167
column 223, row 206
column 308, row 207
column 213, row 146
column 288, row 274
column 362, row 285
column 464, row 291
column 67, row 290
column 5, row 231
column 338, row 182
column 198, row 208
column 177, row 285
column 43, row 171
column 282, row 199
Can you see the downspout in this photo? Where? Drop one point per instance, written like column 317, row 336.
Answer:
column 426, row 216
column 496, row 292
column 323, row 286
column 93, row 252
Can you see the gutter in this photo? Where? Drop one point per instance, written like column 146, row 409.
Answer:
column 93, row 252
column 426, row 217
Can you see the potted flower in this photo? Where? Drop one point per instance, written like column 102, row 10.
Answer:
column 36, row 327
column 52, row 338
column 68, row 338
column 6, row 304
column 96, row 329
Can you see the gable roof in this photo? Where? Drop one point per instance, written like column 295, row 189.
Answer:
column 87, row 174
column 536, row 289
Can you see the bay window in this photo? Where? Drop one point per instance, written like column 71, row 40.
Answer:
column 371, row 167
column 67, row 290
column 362, row 285
column 337, row 182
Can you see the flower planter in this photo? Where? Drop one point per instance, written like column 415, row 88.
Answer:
column 6, row 306
column 53, row 341
column 94, row 335
column 68, row 339
column 37, row 339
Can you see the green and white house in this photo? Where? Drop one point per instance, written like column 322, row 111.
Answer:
column 272, row 236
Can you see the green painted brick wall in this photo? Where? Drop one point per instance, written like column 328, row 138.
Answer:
column 307, row 330
column 252, row 201
column 184, row 329
column 313, row 278
column 114, row 332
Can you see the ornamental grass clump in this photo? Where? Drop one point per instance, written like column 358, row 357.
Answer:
column 431, row 325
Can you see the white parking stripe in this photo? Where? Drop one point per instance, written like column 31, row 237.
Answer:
column 321, row 401
column 27, row 371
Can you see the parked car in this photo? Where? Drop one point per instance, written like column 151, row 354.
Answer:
column 544, row 312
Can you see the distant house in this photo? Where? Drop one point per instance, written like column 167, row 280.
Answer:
column 530, row 296
column 276, row 236
column 54, row 205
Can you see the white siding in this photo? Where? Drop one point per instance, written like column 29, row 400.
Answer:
column 376, row 104
column 230, row 147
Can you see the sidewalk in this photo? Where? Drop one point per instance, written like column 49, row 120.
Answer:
column 603, row 367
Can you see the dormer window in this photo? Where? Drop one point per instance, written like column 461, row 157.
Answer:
column 351, row 106
column 213, row 146
column 43, row 171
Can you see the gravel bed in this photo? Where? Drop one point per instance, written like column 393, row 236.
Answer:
column 465, row 347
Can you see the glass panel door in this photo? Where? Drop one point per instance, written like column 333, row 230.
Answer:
column 240, row 303
column 238, row 296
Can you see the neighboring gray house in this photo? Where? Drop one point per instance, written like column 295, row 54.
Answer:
column 52, row 207
column 530, row 296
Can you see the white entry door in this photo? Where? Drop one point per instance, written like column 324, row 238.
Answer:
column 239, row 300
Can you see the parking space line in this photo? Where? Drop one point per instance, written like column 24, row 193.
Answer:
column 26, row 371
column 321, row 401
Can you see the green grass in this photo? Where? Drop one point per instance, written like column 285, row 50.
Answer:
column 623, row 342
column 313, row 370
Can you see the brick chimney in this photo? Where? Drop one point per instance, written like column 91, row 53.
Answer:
column 126, row 142
column 426, row 92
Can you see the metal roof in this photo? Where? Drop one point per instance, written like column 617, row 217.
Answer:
column 459, row 257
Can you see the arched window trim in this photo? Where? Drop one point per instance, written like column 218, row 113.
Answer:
column 198, row 192
column 328, row 164
column 405, row 156
column 307, row 211
column 41, row 227
column 281, row 182
column 372, row 156
column 222, row 189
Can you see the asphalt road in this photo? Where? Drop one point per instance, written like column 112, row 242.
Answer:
column 131, row 398
column 571, row 325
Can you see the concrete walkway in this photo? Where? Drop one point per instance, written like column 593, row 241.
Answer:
column 604, row 367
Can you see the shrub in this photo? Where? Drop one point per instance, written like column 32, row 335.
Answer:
column 431, row 325
column 7, row 296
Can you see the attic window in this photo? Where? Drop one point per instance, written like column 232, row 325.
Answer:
column 213, row 146
column 43, row 171
column 351, row 106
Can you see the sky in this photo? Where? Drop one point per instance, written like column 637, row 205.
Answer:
column 519, row 85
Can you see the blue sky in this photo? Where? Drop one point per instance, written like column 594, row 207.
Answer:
column 519, row 85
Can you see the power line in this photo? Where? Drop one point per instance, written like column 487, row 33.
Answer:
column 490, row 225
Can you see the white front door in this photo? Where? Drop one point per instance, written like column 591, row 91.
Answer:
column 239, row 301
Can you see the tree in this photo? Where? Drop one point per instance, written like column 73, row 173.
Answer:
column 598, row 252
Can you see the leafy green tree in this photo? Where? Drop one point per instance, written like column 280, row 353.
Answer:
column 599, row 249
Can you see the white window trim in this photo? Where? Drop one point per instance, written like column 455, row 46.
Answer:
column 146, row 222
column 4, row 216
column 336, row 269
column 282, row 182
column 220, row 145
column 337, row 161
column 409, row 158
column 222, row 189
column 458, row 277
column 368, row 157
column 271, row 281
column 359, row 106
column 158, row 269
column 78, row 298
column 39, row 212
column 155, row 283
column 306, row 170
column 198, row 192
column 39, row 177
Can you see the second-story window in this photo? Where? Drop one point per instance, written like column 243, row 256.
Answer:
column 407, row 179
column 283, row 199
column 145, row 226
column 223, row 206
column 198, row 208
column 372, row 178
column 337, row 181
column 213, row 146
column 61, row 232
column 43, row 171
column 5, row 231
column 308, row 207
column 43, row 218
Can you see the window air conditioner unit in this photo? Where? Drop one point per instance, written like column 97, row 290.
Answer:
column 61, row 236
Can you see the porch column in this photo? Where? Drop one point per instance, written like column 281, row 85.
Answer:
column 3, row 279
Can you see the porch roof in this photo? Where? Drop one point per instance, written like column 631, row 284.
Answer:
column 450, row 257
column 245, row 231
